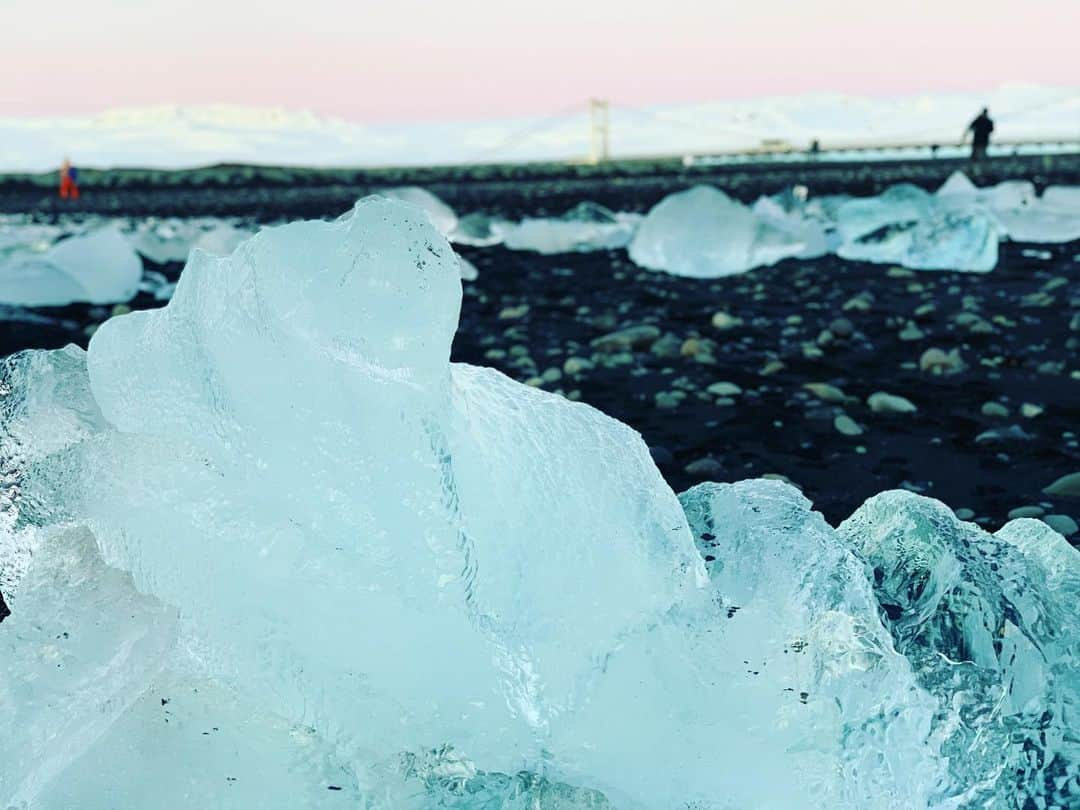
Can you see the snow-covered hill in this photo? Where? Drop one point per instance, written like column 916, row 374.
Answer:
column 175, row 137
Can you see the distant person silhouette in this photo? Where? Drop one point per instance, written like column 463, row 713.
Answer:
column 980, row 130
column 69, row 176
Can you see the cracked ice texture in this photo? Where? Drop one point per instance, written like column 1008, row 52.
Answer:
column 989, row 625
column 80, row 651
column 278, row 505
column 396, row 550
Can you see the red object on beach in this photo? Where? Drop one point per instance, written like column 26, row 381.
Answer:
column 69, row 189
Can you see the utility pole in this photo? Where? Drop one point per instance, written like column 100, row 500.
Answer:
column 599, row 130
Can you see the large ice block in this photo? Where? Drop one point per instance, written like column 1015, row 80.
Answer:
column 98, row 267
column 704, row 233
column 402, row 582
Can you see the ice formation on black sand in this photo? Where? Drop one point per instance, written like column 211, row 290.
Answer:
column 267, row 547
column 98, row 266
column 702, row 232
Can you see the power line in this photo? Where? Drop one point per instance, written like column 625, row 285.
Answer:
column 534, row 128
column 682, row 124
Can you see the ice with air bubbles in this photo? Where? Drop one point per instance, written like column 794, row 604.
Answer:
column 267, row 546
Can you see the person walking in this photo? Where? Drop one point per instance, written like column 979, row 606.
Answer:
column 69, row 176
column 980, row 130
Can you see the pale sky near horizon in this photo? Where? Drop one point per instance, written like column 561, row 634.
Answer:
column 410, row 60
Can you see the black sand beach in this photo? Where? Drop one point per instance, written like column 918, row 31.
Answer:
column 768, row 373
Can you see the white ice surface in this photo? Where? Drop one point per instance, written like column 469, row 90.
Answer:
column 96, row 266
column 584, row 228
column 433, row 587
column 704, row 233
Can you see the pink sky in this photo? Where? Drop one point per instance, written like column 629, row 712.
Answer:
column 403, row 60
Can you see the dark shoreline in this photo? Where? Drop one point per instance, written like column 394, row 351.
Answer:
column 1016, row 329
column 511, row 190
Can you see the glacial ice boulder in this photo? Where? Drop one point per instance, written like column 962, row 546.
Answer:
column 20, row 234
column 905, row 225
column 942, row 241
column 1017, row 210
column 286, row 553
column 989, row 625
column 221, row 239
column 321, row 367
column 173, row 239
column 585, row 227
column 97, row 266
column 790, row 214
column 902, row 204
column 959, row 193
column 289, row 430
column 704, row 233
column 1052, row 218
column 959, row 186
column 80, row 650
column 163, row 241
column 442, row 216
column 478, row 230
column 795, row 685
column 1062, row 199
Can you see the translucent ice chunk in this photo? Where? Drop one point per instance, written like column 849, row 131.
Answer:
column 172, row 240
column 18, row 235
column 221, row 239
column 98, row 267
column 188, row 742
column 585, row 227
column 1015, row 207
column 442, row 216
column 959, row 193
column 1054, row 217
column 478, row 230
column 164, row 241
column 78, row 649
column 797, row 222
column 443, row 589
column 1062, row 199
column 46, row 410
column 788, row 649
column 989, row 626
column 704, row 233
column 902, row 204
column 958, row 185
column 943, row 241
column 299, row 392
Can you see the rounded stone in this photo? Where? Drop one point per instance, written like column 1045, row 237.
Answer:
column 1062, row 524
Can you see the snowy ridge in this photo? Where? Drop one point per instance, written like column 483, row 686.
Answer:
column 170, row 136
